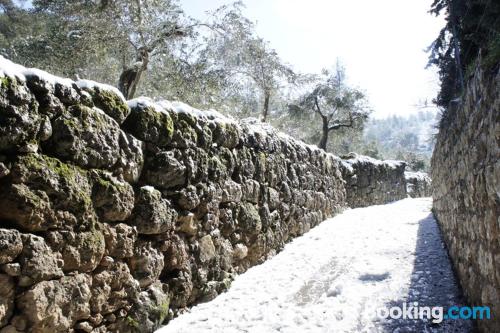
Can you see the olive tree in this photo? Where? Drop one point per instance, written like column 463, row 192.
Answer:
column 334, row 103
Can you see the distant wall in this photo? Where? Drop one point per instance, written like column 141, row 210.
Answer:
column 466, row 184
column 418, row 184
column 373, row 182
column 115, row 215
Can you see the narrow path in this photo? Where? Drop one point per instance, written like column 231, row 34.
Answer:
column 333, row 278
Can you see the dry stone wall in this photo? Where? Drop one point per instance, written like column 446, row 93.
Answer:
column 466, row 183
column 418, row 184
column 116, row 215
column 373, row 182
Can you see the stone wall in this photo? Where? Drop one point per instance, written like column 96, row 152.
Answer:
column 418, row 184
column 373, row 182
column 466, row 183
column 116, row 215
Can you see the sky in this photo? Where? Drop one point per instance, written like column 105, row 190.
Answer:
column 381, row 43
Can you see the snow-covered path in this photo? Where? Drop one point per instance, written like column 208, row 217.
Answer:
column 334, row 277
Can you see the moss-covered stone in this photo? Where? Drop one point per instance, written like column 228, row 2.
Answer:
column 85, row 136
column 184, row 135
column 227, row 134
column 112, row 199
column 150, row 125
column 249, row 219
column 152, row 214
column 5, row 82
column 82, row 251
column 45, row 193
column 112, row 104
column 20, row 120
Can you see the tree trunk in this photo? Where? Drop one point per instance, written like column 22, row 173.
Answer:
column 265, row 110
column 324, row 134
column 130, row 77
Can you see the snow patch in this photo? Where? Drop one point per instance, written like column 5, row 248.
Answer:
column 166, row 106
column 419, row 176
column 354, row 158
column 148, row 188
column 10, row 69
column 89, row 84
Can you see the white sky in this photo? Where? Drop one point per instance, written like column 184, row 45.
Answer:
column 380, row 42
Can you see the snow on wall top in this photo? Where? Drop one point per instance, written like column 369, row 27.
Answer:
column 420, row 176
column 178, row 107
column 253, row 125
column 21, row 73
column 354, row 158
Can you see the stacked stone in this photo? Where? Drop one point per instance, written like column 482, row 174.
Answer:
column 418, row 184
column 466, row 182
column 372, row 182
column 114, row 216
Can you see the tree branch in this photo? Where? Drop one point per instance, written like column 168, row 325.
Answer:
column 341, row 124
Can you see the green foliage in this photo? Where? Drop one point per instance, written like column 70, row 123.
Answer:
column 472, row 27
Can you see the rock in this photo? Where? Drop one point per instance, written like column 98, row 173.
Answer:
column 149, row 312
column 227, row 134
column 11, row 245
column 146, row 264
column 249, row 219
column 224, row 253
column 38, row 261
column 85, row 136
column 19, row 322
column 4, row 171
column 120, row 240
column 21, row 120
column 113, row 288
column 45, row 131
column 274, row 198
column 108, row 101
column 181, row 285
column 188, row 198
column 9, row 329
column 184, row 135
column 207, row 249
column 176, row 256
column 187, row 224
column 152, row 214
column 165, row 171
column 112, row 199
column 149, row 125
column 131, row 160
column 251, row 191
column 232, row 192
column 55, row 306
column 46, row 194
column 7, row 294
column 240, row 251
column 84, row 326
column 12, row 269
column 80, row 251
column 106, row 261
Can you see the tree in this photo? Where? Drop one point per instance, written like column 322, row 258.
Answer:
column 335, row 103
column 471, row 26
column 125, row 30
column 244, row 55
column 263, row 65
